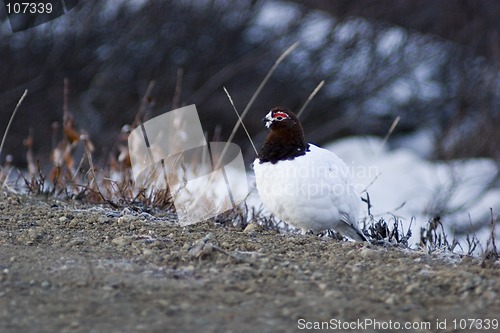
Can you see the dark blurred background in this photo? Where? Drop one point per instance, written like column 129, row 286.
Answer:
column 435, row 63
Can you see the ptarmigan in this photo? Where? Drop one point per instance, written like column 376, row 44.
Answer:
column 302, row 184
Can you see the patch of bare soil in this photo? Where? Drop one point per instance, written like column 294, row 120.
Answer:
column 68, row 267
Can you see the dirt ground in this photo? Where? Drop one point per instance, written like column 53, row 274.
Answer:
column 67, row 267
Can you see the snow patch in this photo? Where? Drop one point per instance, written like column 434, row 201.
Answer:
column 407, row 185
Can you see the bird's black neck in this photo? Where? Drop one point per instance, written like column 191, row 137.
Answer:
column 282, row 147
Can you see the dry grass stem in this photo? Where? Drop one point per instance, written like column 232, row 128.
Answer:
column 11, row 119
column 241, row 121
column 309, row 99
column 178, row 88
column 254, row 97
column 146, row 99
column 388, row 135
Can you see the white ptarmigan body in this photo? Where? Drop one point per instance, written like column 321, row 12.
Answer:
column 304, row 185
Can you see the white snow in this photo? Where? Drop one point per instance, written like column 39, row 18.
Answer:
column 405, row 184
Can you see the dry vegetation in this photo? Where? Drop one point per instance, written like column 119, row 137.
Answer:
column 74, row 176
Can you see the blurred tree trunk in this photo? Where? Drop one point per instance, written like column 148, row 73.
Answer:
column 471, row 23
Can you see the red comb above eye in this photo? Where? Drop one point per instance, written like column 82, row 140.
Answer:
column 280, row 114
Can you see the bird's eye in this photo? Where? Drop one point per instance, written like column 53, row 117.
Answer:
column 280, row 116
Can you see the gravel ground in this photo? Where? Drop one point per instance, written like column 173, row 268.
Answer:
column 68, row 267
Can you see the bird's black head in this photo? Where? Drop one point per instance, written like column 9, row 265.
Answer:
column 279, row 117
column 286, row 138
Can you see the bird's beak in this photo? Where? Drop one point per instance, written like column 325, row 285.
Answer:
column 268, row 119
